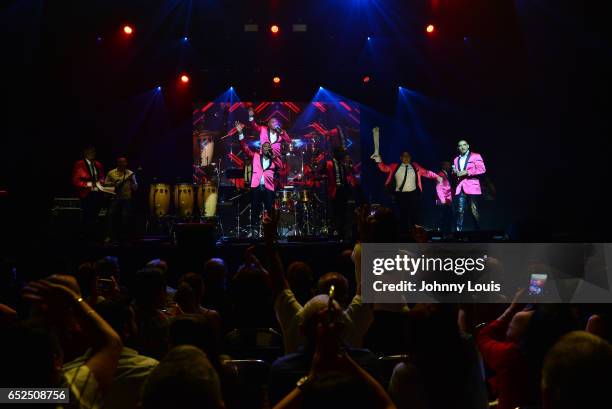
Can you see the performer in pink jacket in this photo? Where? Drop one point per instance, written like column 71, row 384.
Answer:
column 265, row 166
column 467, row 167
column 271, row 133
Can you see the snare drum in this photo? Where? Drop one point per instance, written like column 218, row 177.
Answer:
column 183, row 200
column 159, row 199
column 208, row 195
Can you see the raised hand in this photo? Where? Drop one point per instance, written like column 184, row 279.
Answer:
column 239, row 126
column 46, row 292
column 270, row 225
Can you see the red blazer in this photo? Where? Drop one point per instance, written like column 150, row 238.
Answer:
column 81, row 175
column 419, row 170
column 331, row 178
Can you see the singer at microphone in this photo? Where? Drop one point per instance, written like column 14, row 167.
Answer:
column 272, row 133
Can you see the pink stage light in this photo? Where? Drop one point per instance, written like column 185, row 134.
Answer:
column 128, row 29
column 430, row 28
column 185, row 78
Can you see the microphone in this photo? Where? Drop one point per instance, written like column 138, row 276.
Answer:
column 278, row 130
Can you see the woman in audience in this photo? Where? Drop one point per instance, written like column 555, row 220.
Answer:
column 189, row 296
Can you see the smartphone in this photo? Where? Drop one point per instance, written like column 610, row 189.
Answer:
column 536, row 283
column 105, row 284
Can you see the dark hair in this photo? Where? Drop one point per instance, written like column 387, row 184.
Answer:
column 577, row 372
column 86, row 276
column 335, row 390
column 196, row 330
column 147, row 286
column 116, row 312
column 184, row 379
column 339, row 282
column 27, row 354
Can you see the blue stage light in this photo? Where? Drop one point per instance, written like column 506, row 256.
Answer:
column 185, row 39
column 159, row 87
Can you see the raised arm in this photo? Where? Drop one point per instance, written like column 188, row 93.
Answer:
column 428, row 173
column 246, row 149
column 105, row 342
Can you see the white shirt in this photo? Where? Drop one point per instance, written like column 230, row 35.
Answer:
column 410, row 184
column 357, row 318
column 273, row 136
column 265, row 164
column 131, row 373
column 94, row 173
column 462, row 160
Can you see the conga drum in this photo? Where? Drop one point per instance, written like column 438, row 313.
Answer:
column 208, row 195
column 183, row 200
column 159, row 199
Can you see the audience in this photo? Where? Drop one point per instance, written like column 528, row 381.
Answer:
column 125, row 339
column 132, row 368
column 189, row 295
column 287, row 370
column 441, row 358
column 32, row 356
column 577, row 372
column 184, row 379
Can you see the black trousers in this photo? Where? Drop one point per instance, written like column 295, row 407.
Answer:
column 119, row 218
column 338, row 209
column 260, row 195
column 409, row 208
column 463, row 202
column 445, row 218
column 91, row 205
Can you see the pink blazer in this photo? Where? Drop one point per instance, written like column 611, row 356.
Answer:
column 264, row 136
column 420, row 171
column 258, row 169
column 475, row 166
column 443, row 189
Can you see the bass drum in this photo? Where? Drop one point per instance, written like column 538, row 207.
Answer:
column 208, row 195
column 159, row 199
column 183, row 200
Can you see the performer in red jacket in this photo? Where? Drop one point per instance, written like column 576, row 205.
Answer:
column 404, row 181
column 86, row 174
column 339, row 177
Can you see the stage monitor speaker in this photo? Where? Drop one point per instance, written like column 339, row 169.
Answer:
column 196, row 240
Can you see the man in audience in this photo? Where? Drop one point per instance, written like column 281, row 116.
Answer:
column 184, row 379
column 577, row 372
column 326, row 375
column 215, row 278
column 289, row 369
column 132, row 368
column 152, row 314
column 356, row 318
column 32, row 357
column 443, row 368
column 301, row 279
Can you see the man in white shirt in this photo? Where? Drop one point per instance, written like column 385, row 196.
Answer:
column 404, row 182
